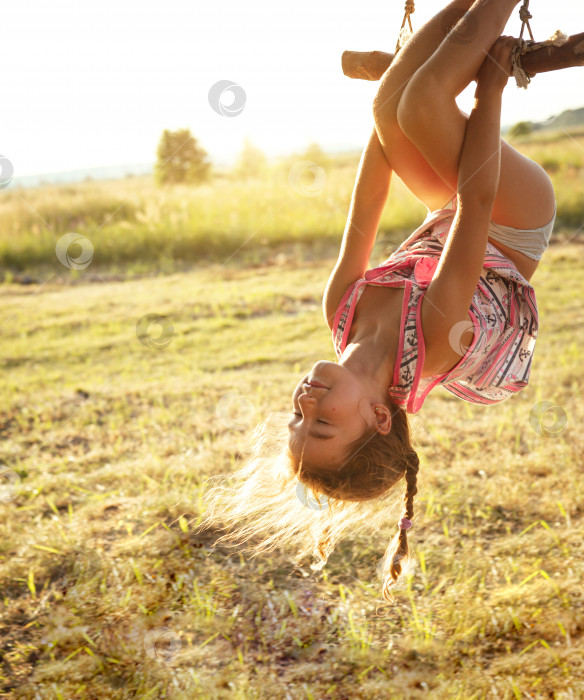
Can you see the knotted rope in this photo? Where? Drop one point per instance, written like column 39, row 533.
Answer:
column 522, row 46
column 525, row 15
column 406, row 32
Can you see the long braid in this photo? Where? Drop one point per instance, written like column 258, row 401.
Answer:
column 401, row 551
column 411, row 485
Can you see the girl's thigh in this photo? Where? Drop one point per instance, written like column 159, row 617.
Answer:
column 412, row 167
column 526, row 198
column 424, row 149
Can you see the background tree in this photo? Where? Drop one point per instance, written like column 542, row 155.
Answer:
column 521, row 129
column 251, row 162
column 180, row 159
column 315, row 153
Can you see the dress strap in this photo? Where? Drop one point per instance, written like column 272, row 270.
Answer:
column 410, row 355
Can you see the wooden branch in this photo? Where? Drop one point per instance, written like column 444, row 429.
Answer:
column 555, row 57
column 371, row 65
column 366, row 65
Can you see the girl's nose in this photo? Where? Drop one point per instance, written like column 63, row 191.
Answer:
column 306, row 401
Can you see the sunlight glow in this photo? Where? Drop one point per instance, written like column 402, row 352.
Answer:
column 93, row 84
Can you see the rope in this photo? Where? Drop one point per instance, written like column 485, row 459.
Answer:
column 558, row 38
column 525, row 15
column 522, row 46
column 406, row 32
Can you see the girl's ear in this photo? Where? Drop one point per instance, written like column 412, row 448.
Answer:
column 382, row 418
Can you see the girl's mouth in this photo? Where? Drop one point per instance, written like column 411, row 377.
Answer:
column 317, row 385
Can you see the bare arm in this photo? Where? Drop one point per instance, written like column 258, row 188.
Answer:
column 450, row 293
column 367, row 204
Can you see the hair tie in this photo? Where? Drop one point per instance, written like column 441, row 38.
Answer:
column 405, row 524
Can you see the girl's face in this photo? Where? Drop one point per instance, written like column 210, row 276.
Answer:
column 331, row 408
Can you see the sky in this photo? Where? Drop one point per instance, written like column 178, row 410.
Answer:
column 89, row 84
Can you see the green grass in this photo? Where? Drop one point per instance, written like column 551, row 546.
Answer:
column 112, row 440
column 106, row 443
column 136, row 228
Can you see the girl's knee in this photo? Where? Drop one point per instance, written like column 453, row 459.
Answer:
column 385, row 109
column 419, row 105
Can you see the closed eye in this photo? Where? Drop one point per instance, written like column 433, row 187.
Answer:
column 318, row 420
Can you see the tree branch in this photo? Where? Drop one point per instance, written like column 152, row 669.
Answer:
column 371, row 65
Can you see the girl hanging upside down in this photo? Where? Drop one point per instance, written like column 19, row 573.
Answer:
column 452, row 306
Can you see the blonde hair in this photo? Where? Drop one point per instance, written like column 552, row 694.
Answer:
column 266, row 499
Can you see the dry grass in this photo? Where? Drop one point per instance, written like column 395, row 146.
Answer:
column 135, row 227
column 112, row 440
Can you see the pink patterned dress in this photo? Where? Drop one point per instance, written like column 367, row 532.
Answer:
column 503, row 311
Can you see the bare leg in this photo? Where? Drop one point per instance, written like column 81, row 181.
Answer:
column 402, row 155
column 422, row 130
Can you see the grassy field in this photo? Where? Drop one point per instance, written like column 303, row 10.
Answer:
column 134, row 227
column 109, row 432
